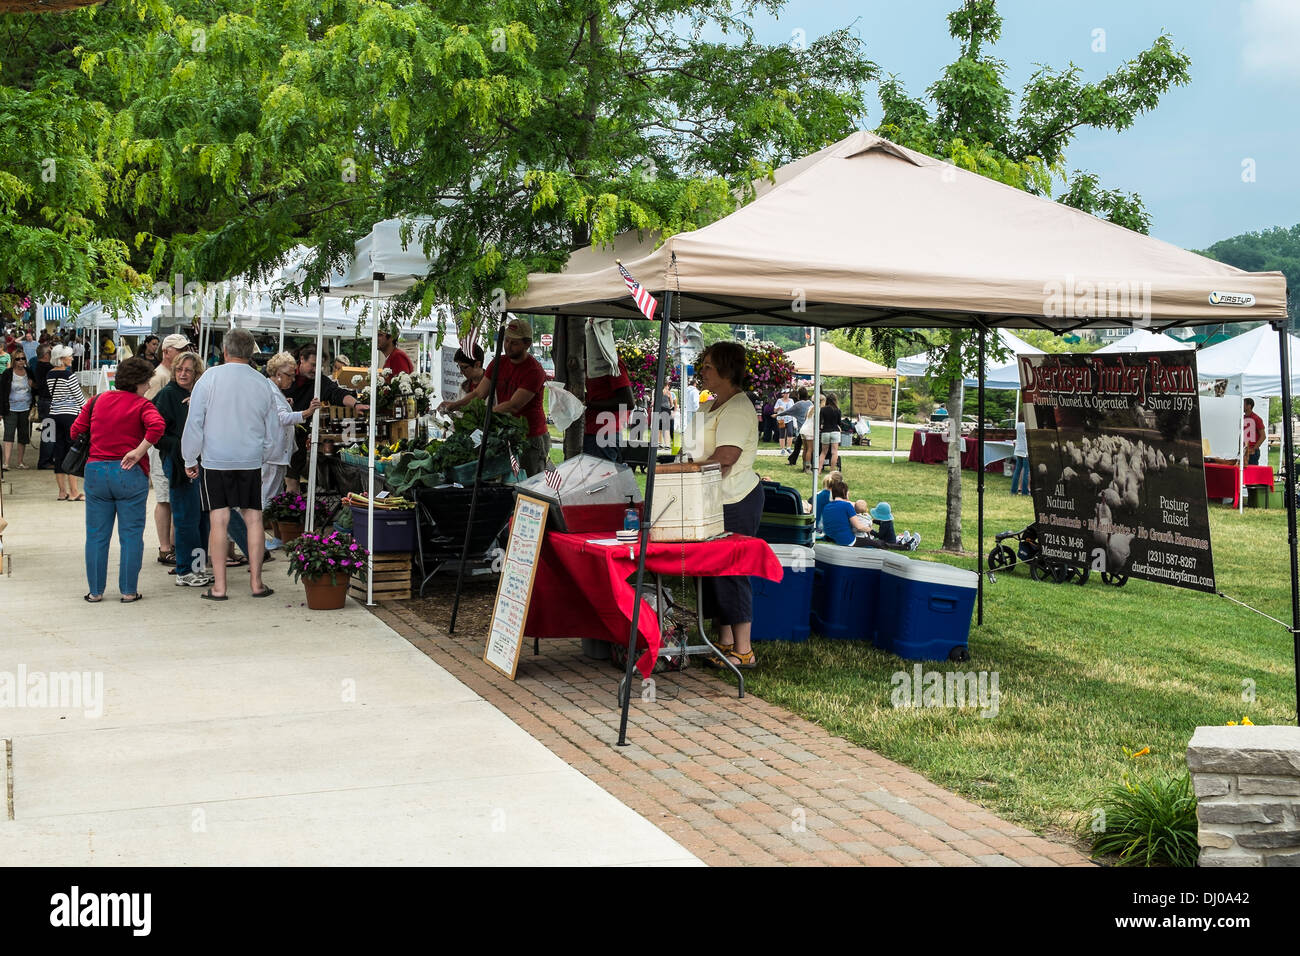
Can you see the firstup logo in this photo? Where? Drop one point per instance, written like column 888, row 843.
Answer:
column 1240, row 299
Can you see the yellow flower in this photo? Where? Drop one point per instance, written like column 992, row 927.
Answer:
column 1245, row 722
column 1232, row 723
column 1142, row 753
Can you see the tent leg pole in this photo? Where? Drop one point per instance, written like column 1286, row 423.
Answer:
column 482, row 456
column 893, row 454
column 647, row 518
column 979, row 463
column 370, row 432
column 314, row 443
column 816, row 413
column 1288, row 455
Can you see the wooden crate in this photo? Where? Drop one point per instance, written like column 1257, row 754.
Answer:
column 392, row 578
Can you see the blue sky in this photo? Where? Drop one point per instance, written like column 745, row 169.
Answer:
column 1185, row 159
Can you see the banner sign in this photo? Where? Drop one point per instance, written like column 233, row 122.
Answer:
column 874, row 401
column 1116, row 461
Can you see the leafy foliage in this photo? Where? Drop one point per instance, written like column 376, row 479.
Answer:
column 1276, row 249
column 1149, row 824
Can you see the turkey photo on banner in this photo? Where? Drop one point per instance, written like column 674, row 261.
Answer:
column 1116, row 462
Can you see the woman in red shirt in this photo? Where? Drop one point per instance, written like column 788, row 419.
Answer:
column 123, row 426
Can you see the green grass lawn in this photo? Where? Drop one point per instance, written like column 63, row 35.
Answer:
column 1084, row 672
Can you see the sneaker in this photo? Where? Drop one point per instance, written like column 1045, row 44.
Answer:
column 193, row 580
column 273, row 543
column 914, row 541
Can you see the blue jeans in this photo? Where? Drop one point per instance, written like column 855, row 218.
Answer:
column 189, row 524
column 1021, row 471
column 114, row 494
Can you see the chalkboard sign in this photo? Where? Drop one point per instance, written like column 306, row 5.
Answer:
column 515, row 589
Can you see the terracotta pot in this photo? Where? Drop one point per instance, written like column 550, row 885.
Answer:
column 324, row 596
column 287, row 531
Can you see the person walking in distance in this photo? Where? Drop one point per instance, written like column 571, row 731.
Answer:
column 172, row 346
column 233, row 426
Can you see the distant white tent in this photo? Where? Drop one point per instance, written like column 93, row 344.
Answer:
column 836, row 361
column 1005, row 375
column 1144, row 340
column 1250, row 363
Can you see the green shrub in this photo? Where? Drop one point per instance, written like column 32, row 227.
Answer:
column 1148, row 824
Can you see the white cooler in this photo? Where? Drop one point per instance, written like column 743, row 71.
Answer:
column 687, row 502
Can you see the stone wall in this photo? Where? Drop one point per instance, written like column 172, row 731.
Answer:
column 1247, row 784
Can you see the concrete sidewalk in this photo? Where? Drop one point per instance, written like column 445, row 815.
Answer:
column 258, row 732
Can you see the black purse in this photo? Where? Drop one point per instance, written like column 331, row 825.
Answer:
column 74, row 462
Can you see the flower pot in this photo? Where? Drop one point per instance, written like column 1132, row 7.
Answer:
column 287, row 531
column 323, row 595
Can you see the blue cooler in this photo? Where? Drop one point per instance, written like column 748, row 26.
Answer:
column 929, row 606
column 782, row 608
column 846, row 591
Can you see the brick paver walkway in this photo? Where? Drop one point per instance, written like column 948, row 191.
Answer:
column 736, row 782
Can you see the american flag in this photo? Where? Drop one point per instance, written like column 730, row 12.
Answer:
column 644, row 300
column 514, row 462
column 552, row 478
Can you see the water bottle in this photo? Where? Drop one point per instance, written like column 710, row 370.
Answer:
column 631, row 520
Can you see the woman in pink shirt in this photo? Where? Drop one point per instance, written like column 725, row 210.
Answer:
column 123, row 426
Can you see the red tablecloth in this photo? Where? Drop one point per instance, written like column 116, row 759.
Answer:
column 932, row 448
column 581, row 589
column 1221, row 480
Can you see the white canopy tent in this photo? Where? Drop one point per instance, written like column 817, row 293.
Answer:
column 1144, row 340
column 382, row 265
column 1249, row 362
column 1004, row 375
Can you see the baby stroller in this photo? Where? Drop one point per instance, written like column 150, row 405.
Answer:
column 1028, row 550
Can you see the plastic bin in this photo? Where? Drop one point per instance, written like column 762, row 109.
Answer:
column 786, row 529
column 783, row 609
column 394, row 530
column 781, row 499
column 847, row 599
column 929, row 606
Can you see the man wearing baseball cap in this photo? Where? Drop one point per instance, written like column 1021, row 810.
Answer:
column 519, row 392
column 394, row 358
column 172, row 346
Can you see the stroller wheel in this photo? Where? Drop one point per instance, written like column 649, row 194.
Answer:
column 1002, row 558
column 1081, row 575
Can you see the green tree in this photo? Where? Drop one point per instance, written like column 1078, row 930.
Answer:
column 973, row 120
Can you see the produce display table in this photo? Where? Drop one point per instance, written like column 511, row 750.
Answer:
column 932, row 448
column 581, row 588
column 1221, row 481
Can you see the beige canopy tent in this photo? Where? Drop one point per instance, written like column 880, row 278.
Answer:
column 836, row 361
column 866, row 232
column 826, row 358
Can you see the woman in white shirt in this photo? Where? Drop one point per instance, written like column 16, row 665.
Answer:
column 726, row 433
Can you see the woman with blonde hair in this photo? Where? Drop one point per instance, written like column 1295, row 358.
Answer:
column 66, row 399
column 172, row 402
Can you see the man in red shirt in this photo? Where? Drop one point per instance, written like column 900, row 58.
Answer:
column 519, row 392
column 394, row 358
column 1253, row 432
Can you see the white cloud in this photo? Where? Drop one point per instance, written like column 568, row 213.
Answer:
column 1271, row 38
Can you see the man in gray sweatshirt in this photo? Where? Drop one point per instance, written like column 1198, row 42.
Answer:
column 232, row 426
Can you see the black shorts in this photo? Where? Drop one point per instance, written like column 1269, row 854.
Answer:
column 231, row 489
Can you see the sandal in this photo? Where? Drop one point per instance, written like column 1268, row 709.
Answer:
column 238, row 562
column 132, row 600
column 78, row 498
column 744, row 662
column 209, row 596
column 166, row 557
column 92, row 600
column 62, row 498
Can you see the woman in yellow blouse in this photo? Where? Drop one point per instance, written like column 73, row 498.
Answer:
column 726, row 433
